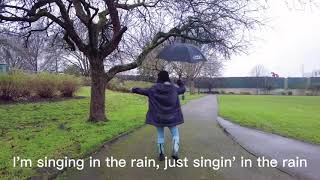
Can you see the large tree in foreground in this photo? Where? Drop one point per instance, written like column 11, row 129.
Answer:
column 104, row 30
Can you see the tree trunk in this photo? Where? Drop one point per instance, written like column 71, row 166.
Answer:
column 98, row 82
column 192, row 88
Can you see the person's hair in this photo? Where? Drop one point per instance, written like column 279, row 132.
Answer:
column 163, row 76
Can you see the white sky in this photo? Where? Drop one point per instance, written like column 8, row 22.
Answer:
column 289, row 41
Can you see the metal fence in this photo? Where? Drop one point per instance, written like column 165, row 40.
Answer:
column 243, row 82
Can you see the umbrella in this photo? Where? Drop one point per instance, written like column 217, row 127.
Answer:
column 182, row 52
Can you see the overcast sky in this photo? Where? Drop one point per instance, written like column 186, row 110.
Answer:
column 290, row 41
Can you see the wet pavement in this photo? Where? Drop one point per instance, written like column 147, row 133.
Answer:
column 200, row 136
column 284, row 150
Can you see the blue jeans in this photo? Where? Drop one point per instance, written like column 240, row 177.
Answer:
column 175, row 139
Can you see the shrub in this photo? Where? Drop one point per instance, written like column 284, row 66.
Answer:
column 46, row 85
column 68, row 85
column 230, row 92
column 125, row 86
column 122, row 89
column 283, row 93
column 6, row 87
column 222, row 92
column 309, row 94
column 141, row 84
column 18, row 85
column 245, row 93
column 290, row 93
column 15, row 86
column 117, row 85
column 112, row 85
column 86, row 81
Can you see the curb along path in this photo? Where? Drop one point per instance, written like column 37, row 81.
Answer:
column 277, row 147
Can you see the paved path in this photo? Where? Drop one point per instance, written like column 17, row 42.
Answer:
column 200, row 136
column 277, row 147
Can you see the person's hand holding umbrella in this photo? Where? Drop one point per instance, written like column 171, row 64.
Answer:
column 179, row 82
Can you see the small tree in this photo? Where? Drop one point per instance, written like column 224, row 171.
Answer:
column 259, row 71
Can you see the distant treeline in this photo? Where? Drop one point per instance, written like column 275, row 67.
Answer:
column 243, row 82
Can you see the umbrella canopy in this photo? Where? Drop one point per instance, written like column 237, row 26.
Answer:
column 182, row 52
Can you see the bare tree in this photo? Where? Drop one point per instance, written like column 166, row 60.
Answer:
column 17, row 55
column 209, row 69
column 79, row 61
column 152, row 65
column 212, row 69
column 12, row 53
column 96, row 28
column 38, row 48
column 189, row 71
column 52, row 60
column 34, row 55
column 259, row 71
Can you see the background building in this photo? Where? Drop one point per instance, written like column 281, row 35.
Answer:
column 4, row 68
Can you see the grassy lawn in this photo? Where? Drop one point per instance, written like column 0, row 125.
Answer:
column 291, row 116
column 58, row 129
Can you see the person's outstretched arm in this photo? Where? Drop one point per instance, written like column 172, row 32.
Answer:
column 141, row 91
column 181, row 88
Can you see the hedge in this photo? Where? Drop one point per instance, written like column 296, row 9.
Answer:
column 18, row 85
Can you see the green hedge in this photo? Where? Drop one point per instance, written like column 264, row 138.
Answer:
column 125, row 85
column 23, row 86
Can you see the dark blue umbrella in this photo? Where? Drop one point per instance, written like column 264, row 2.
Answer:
column 182, row 52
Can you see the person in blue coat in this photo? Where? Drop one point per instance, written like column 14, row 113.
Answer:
column 164, row 110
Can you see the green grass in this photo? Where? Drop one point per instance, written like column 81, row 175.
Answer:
column 58, row 129
column 291, row 116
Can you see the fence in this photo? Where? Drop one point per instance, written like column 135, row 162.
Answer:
column 252, row 85
column 257, row 82
column 260, row 85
